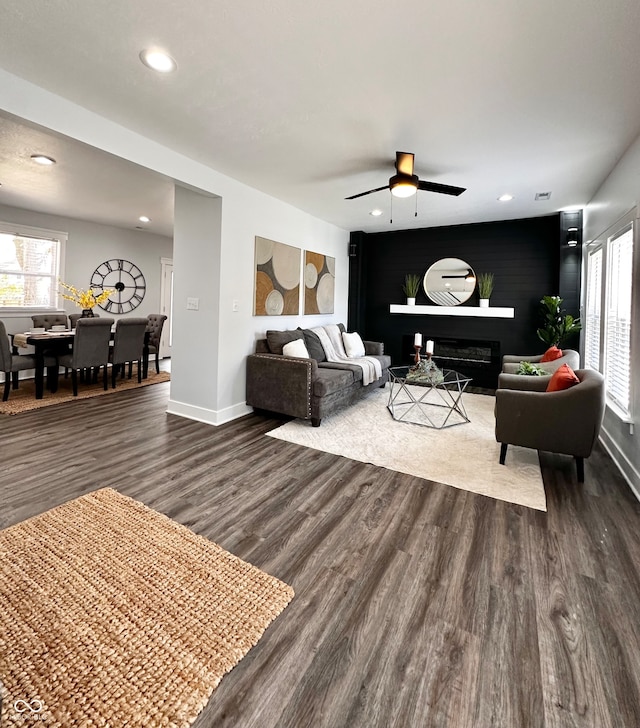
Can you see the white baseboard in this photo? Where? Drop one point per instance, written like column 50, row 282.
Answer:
column 210, row 417
column 625, row 466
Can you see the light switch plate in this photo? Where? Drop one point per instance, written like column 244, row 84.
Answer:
column 193, row 304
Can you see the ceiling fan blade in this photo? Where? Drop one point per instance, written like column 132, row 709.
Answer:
column 404, row 163
column 442, row 189
column 368, row 192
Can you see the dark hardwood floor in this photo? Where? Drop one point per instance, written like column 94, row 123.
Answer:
column 417, row 605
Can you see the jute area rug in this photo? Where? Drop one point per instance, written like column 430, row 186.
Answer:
column 464, row 456
column 115, row 615
column 23, row 399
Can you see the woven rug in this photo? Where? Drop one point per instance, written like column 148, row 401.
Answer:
column 23, row 399
column 114, row 615
column 464, row 456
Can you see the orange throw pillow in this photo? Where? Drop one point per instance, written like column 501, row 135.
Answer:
column 563, row 378
column 551, row 354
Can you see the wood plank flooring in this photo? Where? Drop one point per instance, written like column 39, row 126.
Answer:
column 417, row 605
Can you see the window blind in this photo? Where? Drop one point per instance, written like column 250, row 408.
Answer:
column 618, row 330
column 593, row 310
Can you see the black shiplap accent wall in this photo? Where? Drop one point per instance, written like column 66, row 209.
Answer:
column 524, row 256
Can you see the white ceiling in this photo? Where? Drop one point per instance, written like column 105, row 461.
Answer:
column 85, row 183
column 309, row 101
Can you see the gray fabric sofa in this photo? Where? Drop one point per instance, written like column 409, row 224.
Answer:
column 310, row 388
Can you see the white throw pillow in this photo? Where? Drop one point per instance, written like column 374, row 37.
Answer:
column 296, row 348
column 353, row 345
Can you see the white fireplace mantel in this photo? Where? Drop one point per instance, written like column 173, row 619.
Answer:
column 489, row 312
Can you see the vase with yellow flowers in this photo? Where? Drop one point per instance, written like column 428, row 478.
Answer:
column 86, row 300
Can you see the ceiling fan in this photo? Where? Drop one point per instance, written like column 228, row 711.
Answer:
column 405, row 183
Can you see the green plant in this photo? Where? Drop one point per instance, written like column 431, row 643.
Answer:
column 557, row 325
column 485, row 285
column 411, row 285
column 526, row 367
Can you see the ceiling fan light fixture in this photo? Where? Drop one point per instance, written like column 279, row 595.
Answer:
column 403, row 185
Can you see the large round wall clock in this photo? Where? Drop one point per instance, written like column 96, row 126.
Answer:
column 126, row 281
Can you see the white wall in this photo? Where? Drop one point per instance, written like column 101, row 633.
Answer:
column 617, row 196
column 245, row 214
column 88, row 245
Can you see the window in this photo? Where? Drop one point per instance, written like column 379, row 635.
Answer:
column 593, row 306
column 29, row 267
column 617, row 370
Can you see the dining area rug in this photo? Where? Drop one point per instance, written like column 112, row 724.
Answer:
column 23, row 399
column 464, row 456
column 113, row 614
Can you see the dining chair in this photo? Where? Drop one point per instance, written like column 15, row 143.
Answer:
column 48, row 320
column 73, row 318
column 11, row 363
column 90, row 349
column 155, row 322
column 128, row 345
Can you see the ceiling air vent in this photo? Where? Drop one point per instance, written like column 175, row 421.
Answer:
column 543, row 195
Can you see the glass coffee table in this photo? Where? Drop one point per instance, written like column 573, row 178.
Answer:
column 431, row 402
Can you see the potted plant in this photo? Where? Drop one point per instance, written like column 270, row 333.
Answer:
column 558, row 325
column 411, row 286
column 485, row 288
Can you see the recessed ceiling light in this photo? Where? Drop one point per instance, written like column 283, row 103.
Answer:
column 41, row 159
column 158, row 60
column 505, row 198
column 144, row 218
column 376, row 213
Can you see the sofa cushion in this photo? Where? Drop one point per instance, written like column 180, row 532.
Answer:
column 296, row 348
column 277, row 339
column 356, row 371
column 562, row 378
column 551, row 354
column 353, row 345
column 314, row 347
column 330, row 381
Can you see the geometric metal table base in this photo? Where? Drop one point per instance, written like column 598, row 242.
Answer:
column 436, row 404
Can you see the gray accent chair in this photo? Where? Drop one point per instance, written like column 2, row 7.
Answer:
column 128, row 345
column 566, row 422
column 510, row 362
column 155, row 323
column 47, row 320
column 11, row 363
column 90, row 348
column 74, row 318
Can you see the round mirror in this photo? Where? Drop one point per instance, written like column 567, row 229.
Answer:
column 449, row 282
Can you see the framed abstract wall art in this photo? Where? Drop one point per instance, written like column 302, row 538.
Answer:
column 319, row 282
column 277, row 283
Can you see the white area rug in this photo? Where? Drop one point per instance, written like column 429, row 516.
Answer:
column 464, row 456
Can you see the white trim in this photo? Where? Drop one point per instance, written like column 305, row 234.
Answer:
column 624, row 465
column 469, row 311
column 209, row 417
column 33, row 232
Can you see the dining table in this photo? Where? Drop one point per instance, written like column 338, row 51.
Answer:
column 58, row 342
